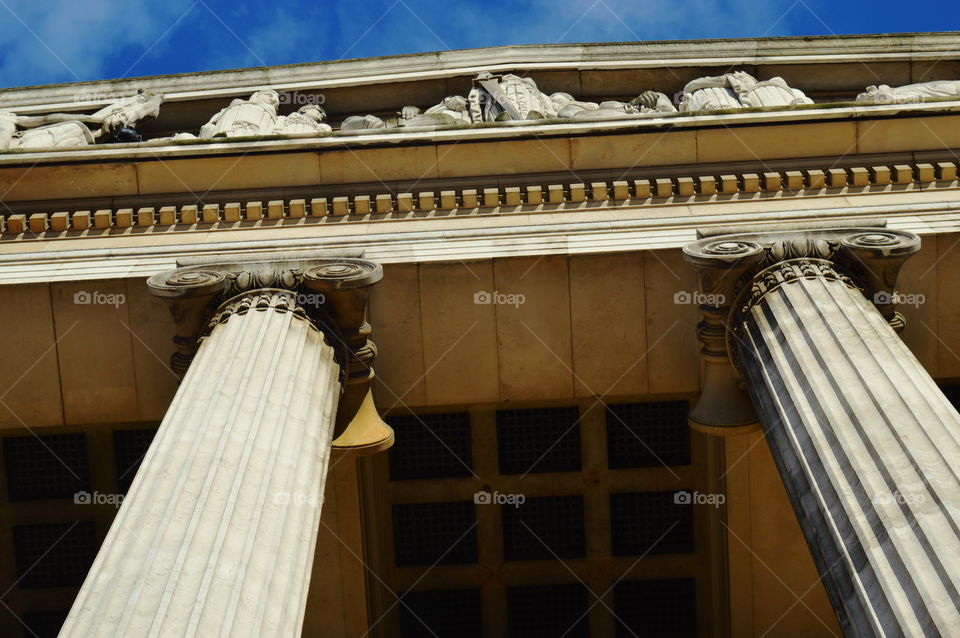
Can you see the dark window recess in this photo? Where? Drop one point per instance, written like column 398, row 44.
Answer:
column 44, row 624
column 650, row 523
column 445, row 613
column 544, row 528
column 54, row 554
column 648, row 434
column 129, row 447
column 428, row 533
column 50, row 466
column 548, row 611
column 952, row 392
column 430, row 446
column 540, row 440
column 655, row 608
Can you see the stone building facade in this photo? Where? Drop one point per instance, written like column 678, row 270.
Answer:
column 652, row 339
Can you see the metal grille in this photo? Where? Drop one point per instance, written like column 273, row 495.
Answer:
column 430, row 446
column 129, row 447
column 544, row 528
column 547, row 611
column 952, row 392
column 648, row 434
column 44, row 624
column 650, row 523
column 655, row 608
column 445, row 613
column 428, row 533
column 50, row 466
column 54, row 554
column 540, row 440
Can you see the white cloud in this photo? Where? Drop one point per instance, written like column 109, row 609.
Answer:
column 67, row 40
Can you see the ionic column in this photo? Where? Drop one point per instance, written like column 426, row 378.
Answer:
column 216, row 536
column 867, row 445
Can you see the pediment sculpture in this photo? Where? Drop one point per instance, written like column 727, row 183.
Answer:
column 116, row 122
column 509, row 97
column 739, row 90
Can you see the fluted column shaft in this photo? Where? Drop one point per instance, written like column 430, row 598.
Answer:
column 866, row 443
column 217, row 533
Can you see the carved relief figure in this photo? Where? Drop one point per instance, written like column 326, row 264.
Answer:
column 361, row 122
column 309, row 120
column 8, row 127
column 885, row 94
column 507, row 97
column 128, row 111
column 452, row 110
column 64, row 134
column 56, row 130
column 243, row 118
column 646, row 102
column 738, row 90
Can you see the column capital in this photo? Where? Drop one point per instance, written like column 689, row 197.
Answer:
column 736, row 269
column 330, row 293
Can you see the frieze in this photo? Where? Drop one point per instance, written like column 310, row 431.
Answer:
column 493, row 98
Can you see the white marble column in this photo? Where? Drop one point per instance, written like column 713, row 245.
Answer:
column 867, row 445
column 216, row 536
column 868, row 448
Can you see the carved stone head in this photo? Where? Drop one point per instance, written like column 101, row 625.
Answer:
column 314, row 112
column 266, row 97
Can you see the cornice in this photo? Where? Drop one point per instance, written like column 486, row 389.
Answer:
column 904, row 47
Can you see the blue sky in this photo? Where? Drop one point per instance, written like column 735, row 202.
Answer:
column 51, row 41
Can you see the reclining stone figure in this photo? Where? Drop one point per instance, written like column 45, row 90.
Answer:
column 61, row 130
column 509, row 97
column 936, row 89
column 738, row 90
